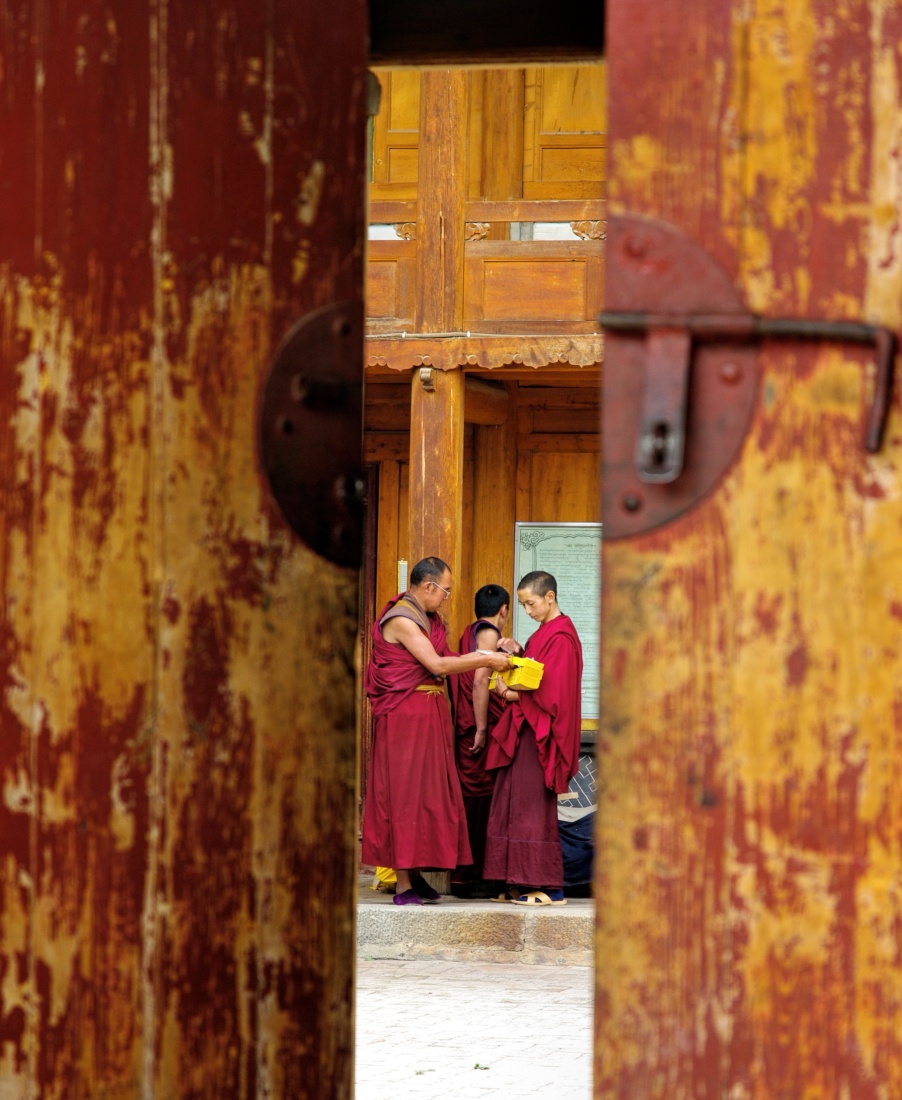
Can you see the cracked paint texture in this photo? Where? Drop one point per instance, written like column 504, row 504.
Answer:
column 177, row 729
column 749, row 843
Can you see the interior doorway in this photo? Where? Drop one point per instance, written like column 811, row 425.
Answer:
column 518, row 299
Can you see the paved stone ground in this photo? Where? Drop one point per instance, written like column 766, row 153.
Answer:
column 432, row 1030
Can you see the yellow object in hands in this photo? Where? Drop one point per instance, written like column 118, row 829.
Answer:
column 526, row 674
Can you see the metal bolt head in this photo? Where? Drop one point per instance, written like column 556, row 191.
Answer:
column 635, row 246
column 730, row 372
column 631, row 502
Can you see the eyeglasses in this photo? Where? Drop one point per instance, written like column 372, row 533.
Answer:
column 447, row 591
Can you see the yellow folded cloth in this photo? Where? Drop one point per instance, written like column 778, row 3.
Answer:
column 526, row 674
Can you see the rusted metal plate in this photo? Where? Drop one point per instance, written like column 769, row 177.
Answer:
column 654, row 269
column 180, row 184
column 749, row 746
column 311, row 419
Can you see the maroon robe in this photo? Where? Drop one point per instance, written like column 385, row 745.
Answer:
column 474, row 780
column 414, row 814
column 535, row 749
column 476, row 783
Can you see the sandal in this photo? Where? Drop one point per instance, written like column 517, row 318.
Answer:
column 539, row 897
column 510, row 894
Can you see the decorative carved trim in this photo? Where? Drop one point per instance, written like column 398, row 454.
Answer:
column 477, row 231
column 590, row 231
column 407, row 231
column 490, row 352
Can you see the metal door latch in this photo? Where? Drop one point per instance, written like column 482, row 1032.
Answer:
column 311, row 431
column 690, row 363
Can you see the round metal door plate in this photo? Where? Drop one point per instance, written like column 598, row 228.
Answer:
column 653, row 268
column 311, row 417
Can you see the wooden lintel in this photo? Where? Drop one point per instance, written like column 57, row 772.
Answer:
column 389, row 211
column 489, row 352
column 561, row 443
column 536, row 210
column 484, row 402
column 498, row 210
column 584, row 377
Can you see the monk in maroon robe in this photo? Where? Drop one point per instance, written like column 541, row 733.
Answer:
column 414, row 815
column 535, row 751
column 476, row 709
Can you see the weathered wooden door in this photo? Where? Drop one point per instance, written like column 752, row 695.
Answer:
column 180, row 183
column 749, row 845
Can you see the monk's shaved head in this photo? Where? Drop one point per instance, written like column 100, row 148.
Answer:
column 539, row 582
column 429, row 569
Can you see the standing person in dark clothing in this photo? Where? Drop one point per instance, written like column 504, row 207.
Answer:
column 535, row 749
column 476, row 710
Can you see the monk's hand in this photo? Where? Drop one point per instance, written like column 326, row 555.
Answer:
column 510, row 645
column 478, row 742
column 500, row 662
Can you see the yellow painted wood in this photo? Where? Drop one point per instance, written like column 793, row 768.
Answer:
column 177, row 736
column 396, row 134
column 748, row 835
column 564, row 148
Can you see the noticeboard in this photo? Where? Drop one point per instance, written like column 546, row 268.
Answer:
column 571, row 552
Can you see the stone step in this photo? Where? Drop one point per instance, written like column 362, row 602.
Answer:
column 475, row 931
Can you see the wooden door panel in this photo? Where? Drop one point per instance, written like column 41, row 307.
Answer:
column 564, row 153
column 390, row 297
column 172, row 204
column 536, row 285
column 751, row 721
column 396, row 135
column 555, row 485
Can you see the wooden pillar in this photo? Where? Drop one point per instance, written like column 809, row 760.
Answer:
column 494, row 506
column 502, row 139
column 441, row 195
column 436, row 490
column 437, row 401
column 436, row 466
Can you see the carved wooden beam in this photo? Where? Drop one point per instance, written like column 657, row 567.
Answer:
column 444, row 353
column 390, row 211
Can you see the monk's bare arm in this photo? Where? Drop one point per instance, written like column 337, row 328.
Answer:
column 406, row 633
column 487, row 638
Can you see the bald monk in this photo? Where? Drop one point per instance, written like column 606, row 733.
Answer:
column 534, row 750
column 414, row 817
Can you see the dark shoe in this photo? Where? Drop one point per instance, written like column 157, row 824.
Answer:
column 424, row 891
column 409, row 897
column 463, row 889
column 482, row 891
